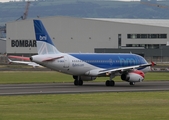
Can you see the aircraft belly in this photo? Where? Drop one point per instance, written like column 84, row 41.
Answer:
column 79, row 70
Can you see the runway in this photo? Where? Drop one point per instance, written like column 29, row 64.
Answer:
column 88, row 87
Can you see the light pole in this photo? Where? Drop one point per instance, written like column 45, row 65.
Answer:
column 161, row 54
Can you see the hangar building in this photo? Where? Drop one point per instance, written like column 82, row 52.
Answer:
column 2, row 46
column 148, row 37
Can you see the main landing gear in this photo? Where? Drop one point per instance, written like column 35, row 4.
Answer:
column 78, row 81
column 110, row 82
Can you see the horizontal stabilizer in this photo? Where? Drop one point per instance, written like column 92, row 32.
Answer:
column 19, row 57
column 24, row 62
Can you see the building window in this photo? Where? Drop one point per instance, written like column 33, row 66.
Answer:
column 146, row 46
column 143, row 36
column 147, row 36
column 119, row 40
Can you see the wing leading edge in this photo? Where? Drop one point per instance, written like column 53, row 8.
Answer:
column 123, row 69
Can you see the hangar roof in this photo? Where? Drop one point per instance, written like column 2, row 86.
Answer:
column 152, row 22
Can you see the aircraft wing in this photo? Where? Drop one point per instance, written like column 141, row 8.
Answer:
column 122, row 69
column 24, row 62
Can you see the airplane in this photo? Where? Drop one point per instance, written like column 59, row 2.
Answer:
column 88, row 66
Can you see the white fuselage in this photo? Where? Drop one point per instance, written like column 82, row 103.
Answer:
column 67, row 63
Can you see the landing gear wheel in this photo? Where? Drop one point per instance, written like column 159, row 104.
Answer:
column 132, row 83
column 107, row 82
column 110, row 83
column 78, row 82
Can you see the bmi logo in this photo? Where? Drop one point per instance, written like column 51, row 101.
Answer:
column 42, row 37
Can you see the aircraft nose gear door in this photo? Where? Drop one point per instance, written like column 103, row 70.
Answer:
column 66, row 62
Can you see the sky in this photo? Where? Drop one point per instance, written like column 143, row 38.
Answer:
column 4, row 0
column 30, row 0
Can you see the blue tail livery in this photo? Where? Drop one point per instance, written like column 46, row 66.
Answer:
column 44, row 42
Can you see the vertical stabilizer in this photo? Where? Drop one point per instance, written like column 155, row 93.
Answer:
column 44, row 42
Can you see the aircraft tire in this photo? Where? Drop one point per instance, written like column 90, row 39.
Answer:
column 110, row 83
column 75, row 82
column 132, row 83
column 78, row 82
column 107, row 82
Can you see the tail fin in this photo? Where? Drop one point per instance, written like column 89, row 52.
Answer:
column 44, row 42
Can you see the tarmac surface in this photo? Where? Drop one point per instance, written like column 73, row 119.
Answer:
column 88, row 87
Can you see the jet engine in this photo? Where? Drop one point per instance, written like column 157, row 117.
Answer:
column 85, row 78
column 133, row 76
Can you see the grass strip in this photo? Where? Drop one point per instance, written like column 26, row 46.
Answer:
column 9, row 77
column 96, row 106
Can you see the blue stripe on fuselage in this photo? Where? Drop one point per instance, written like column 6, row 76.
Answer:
column 115, row 60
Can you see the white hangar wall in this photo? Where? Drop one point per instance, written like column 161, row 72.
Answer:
column 20, row 30
column 81, row 35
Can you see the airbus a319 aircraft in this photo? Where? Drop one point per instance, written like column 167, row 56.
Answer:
column 88, row 66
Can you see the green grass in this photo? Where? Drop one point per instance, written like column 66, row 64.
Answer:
column 96, row 106
column 33, row 77
column 53, row 77
column 99, row 106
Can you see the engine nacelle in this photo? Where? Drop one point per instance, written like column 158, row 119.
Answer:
column 133, row 76
column 85, row 78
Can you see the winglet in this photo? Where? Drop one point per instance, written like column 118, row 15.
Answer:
column 152, row 63
column 9, row 61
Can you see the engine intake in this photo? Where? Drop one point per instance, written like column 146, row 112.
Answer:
column 133, row 76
